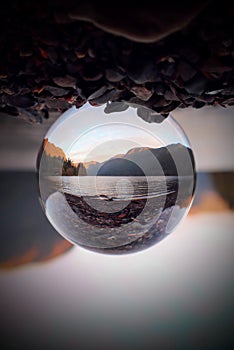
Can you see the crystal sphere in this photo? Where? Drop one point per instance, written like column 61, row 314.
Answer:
column 112, row 182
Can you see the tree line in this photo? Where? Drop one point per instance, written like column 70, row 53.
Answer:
column 60, row 166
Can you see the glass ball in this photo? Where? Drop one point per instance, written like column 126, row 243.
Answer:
column 112, row 182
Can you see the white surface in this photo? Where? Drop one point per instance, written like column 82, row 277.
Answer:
column 178, row 288
column 210, row 131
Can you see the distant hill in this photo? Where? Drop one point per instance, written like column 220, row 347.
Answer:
column 164, row 160
column 148, row 161
column 120, row 155
column 120, row 167
column 137, row 161
column 92, row 168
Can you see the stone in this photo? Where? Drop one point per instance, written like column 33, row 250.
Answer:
column 30, row 116
column 112, row 107
column 99, row 92
column 185, row 70
column 21, row 101
column 142, row 70
column 196, row 86
column 230, row 101
column 90, row 72
column 168, row 69
column 56, row 91
column 65, row 81
column 53, row 103
column 9, row 110
column 215, row 65
column 160, row 89
column 105, row 97
column 142, row 92
column 113, row 75
column 149, row 115
column 198, row 104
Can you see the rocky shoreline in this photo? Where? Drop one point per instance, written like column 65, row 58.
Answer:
column 50, row 62
column 129, row 214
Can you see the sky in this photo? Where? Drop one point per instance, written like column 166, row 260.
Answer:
column 90, row 134
column 100, row 145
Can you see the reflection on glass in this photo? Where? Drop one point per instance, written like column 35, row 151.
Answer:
column 114, row 183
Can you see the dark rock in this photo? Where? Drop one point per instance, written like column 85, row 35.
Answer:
column 168, row 69
column 170, row 96
column 112, row 107
column 228, row 91
column 99, row 92
column 207, row 33
column 84, row 93
column 135, row 102
column 2, row 100
column 30, row 116
column 143, row 70
column 188, row 52
column 205, row 98
column 142, row 92
column 149, row 115
column 188, row 102
column 7, row 90
column 79, row 102
column 160, row 89
column 198, row 104
column 214, row 65
column 50, row 58
column 185, row 70
column 113, row 75
column 222, row 52
column 196, row 86
column 227, row 42
column 91, row 73
column 53, row 103
column 65, row 81
column 26, row 52
column 56, row 91
column 12, row 111
column 159, row 101
column 91, row 52
column 168, row 108
column 61, row 18
column 179, row 94
column 22, row 101
column 67, row 56
column 178, row 81
column 48, row 36
column 52, row 55
column 80, row 54
column 229, row 101
column 106, row 97
column 73, row 68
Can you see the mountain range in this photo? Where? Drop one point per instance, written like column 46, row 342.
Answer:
column 148, row 161
column 138, row 161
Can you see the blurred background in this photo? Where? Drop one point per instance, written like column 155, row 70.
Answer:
column 177, row 294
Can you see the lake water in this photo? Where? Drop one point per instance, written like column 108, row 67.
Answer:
column 116, row 213
column 118, row 187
